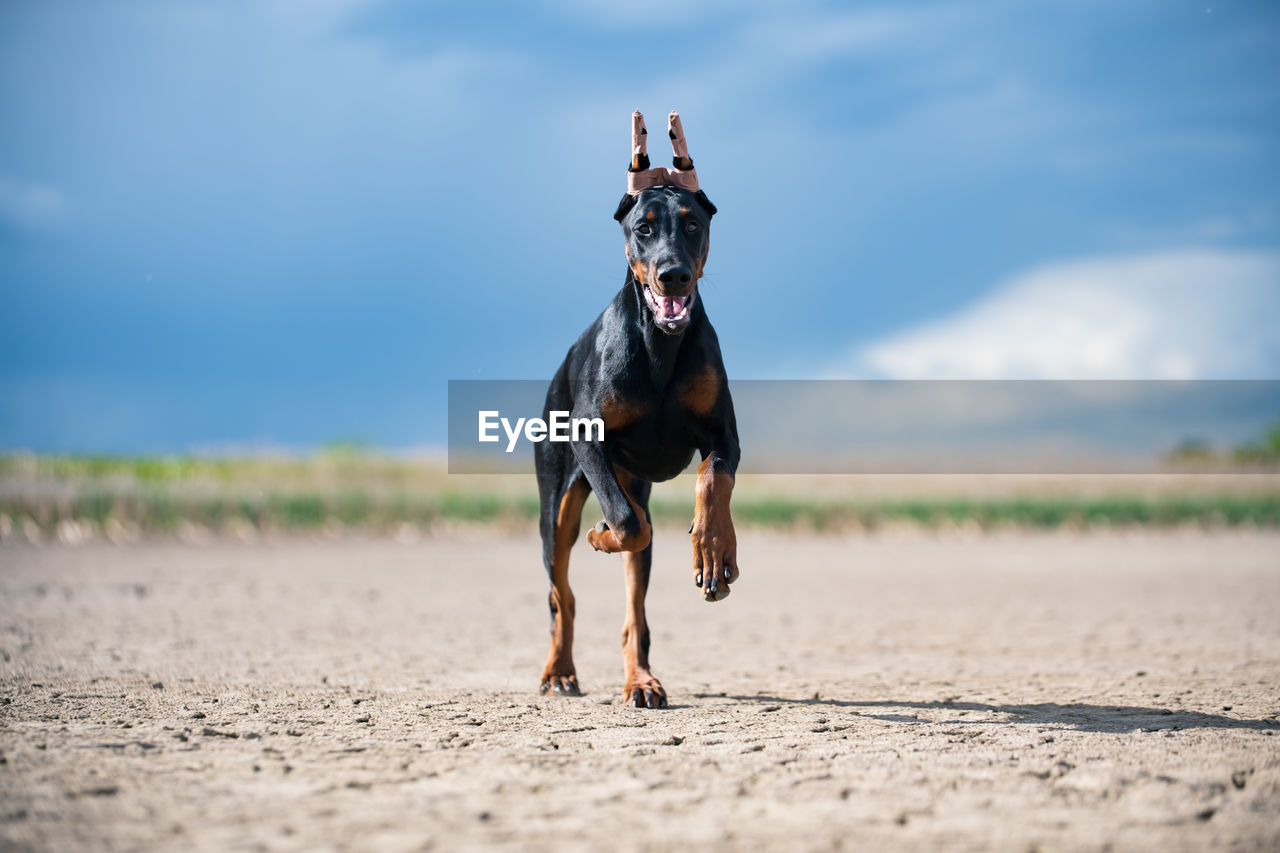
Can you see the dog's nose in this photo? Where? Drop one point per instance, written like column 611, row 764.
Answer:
column 675, row 278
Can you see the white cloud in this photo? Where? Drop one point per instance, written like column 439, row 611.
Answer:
column 1194, row 314
column 29, row 205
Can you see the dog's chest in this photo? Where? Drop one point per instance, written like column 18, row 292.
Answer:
column 660, row 442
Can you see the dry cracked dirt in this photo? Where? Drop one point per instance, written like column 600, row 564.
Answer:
column 1016, row 691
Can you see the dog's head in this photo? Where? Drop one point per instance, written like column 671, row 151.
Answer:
column 665, row 218
column 667, row 231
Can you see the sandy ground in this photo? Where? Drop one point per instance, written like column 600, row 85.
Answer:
column 1011, row 692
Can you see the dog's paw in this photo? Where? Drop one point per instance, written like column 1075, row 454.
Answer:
column 642, row 690
column 565, row 685
column 596, row 537
column 715, row 561
column 611, row 541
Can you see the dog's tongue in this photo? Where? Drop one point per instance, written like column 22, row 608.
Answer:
column 672, row 305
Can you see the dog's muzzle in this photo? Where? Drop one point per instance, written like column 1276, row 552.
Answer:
column 671, row 313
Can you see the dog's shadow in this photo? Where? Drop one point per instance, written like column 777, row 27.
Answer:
column 1081, row 717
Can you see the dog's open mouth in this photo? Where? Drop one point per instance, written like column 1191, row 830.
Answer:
column 669, row 312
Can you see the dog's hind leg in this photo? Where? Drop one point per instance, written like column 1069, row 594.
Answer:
column 640, row 688
column 561, row 519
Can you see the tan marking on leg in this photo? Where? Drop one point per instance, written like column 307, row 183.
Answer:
column 559, row 670
column 639, row 687
column 617, row 541
column 641, row 540
column 715, row 544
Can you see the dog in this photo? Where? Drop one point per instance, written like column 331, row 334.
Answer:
column 650, row 367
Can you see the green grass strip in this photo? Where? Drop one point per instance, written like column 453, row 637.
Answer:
column 160, row 509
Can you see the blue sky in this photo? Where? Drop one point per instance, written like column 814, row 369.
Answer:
column 238, row 224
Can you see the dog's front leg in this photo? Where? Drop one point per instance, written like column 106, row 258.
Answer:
column 626, row 525
column 715, row 544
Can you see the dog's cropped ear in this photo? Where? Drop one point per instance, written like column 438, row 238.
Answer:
column 624, row 206
column 705, row 202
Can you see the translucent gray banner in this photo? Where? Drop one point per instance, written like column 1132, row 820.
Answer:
column 926, row 427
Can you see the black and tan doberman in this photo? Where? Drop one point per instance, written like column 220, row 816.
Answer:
column 650, row 367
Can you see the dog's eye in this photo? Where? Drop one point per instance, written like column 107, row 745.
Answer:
column 692, row 227
column 643, row 228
